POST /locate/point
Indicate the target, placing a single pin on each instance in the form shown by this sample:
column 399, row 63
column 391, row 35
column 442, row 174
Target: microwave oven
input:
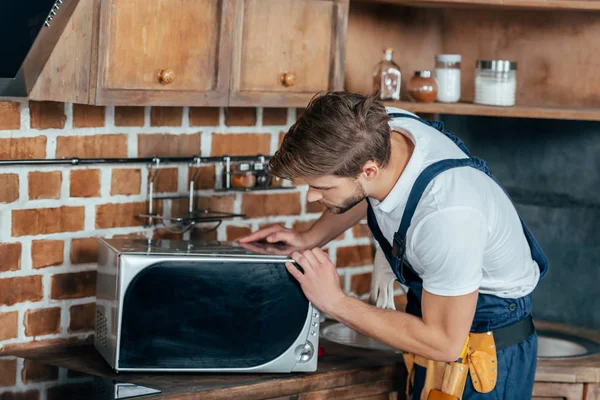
column 175, row 305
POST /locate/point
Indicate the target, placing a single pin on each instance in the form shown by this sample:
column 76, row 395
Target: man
column 447, row 228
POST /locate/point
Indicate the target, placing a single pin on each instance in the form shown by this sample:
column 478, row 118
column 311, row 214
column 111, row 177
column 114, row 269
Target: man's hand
column 278, row 234
column 320, row 281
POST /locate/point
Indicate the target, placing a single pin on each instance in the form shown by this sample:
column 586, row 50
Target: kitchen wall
column 52, row 216
column 552, row 171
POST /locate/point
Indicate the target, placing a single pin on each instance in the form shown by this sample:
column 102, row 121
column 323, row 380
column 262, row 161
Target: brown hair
column 336, row 135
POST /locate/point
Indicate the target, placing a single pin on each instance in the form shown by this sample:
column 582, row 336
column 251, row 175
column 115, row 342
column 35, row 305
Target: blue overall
column 517, row 363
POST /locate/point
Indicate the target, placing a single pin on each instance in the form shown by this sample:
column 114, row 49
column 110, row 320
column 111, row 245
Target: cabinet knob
column 166, row 76
column 288, row 79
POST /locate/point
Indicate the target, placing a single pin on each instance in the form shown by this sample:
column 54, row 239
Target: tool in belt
column 446, row 381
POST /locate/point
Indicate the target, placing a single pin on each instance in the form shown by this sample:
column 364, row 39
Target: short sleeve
column 449, row 245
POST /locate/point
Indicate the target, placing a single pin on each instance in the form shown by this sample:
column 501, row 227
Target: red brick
column 166, row 116
column 9, row 325
column 32, row 394
column 43, row 321
column 10, row 115
column 84, row 251
column 162, row 233
column 281, row 136
column 73, row 285
column 274, row 116
column 85, row 183
column 205, row 178
column 361, row 230
column 162, row 145
column 44, row 185
column 355, row 256
column 314, row 207
column 86, row 116
column 34, row 371
column 263, row 205
column 19, row 289
column 204, row 116
column 122, row 215
column 47, row 114
column 8, row 377
column 9, row 188
column 46, row 253
column 125, row 181
column 96, row 146
column 47, row 220
column 23, row 148
column 10, row 256
column 83, row 317
column 180, row 207
column 201, row 235
column 166, row 180
column 303, row 226
column 236, row 232
column 129, row 116
column 360, row 284
column 240, row 116
column 241, row 144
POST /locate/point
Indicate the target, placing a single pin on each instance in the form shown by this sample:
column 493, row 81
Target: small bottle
column 422, row 87
column 387, row 77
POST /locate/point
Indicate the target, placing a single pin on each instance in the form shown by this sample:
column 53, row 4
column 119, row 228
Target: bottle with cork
column 387, row 77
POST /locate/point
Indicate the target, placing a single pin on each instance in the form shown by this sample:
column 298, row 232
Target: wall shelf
column 589, row 5
column 543, row 112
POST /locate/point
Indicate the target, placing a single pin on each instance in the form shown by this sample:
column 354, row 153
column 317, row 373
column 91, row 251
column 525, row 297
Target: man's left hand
column 320, row 281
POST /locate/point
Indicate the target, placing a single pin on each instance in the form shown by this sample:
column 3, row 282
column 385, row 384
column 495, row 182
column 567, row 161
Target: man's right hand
column 294, row 241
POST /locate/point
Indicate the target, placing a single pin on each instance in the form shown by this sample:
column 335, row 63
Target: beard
column 358, row 196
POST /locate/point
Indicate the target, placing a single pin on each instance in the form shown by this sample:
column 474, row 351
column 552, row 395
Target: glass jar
column 242, row 176
column 447, row 76
column 422, row 87
column 262, row 177
column 495, row 82
column 387, row 77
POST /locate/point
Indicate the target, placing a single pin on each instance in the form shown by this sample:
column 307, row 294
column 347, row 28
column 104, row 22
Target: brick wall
column 51, row 216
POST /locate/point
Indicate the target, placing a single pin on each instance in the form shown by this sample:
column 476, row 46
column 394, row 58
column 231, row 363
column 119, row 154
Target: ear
column 370, row 170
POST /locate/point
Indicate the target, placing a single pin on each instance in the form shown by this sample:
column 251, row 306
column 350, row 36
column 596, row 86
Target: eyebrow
column 321, row 187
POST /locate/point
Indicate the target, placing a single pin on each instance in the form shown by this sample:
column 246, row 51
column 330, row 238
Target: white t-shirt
column 465, row 234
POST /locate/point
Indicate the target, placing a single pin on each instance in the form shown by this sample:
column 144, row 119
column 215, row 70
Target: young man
column 447, row 228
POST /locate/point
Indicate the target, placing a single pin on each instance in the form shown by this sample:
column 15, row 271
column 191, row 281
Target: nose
column 313, row 195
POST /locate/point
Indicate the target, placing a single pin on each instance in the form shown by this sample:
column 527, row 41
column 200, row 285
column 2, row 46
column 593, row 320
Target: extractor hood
column 30, row 29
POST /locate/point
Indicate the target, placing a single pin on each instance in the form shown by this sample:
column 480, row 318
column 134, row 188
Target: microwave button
column 314, row 324
column 316, row 315
column 312, row 333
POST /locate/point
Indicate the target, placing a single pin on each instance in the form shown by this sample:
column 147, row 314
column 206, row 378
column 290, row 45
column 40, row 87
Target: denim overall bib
column 516, row 363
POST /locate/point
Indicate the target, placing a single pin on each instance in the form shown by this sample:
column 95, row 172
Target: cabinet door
column 557, row 391
column 285, row 51
column 174, row 52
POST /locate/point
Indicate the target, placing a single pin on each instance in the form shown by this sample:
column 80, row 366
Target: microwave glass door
column 201, row 314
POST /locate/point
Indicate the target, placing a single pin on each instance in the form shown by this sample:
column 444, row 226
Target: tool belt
column 447, row 380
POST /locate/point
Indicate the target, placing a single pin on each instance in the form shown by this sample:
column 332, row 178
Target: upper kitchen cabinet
column 164, row 52
column 286, row 51
column 192, row 52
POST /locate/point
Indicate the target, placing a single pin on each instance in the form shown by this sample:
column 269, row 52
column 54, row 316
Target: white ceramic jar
column 447, row 76
column 495, row 82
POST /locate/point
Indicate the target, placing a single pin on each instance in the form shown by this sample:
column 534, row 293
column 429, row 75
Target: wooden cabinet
column 286, row 51
column 164, row 52
column 197, row 53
